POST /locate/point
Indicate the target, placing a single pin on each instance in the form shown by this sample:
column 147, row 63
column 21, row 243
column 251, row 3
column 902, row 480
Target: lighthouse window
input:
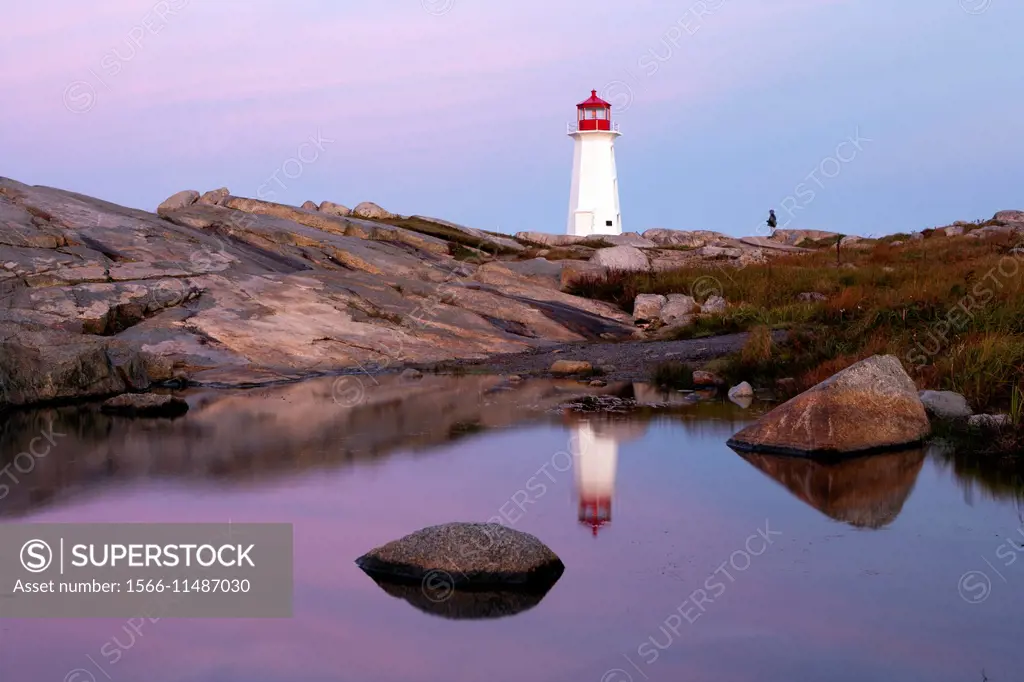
column 608, row 223
column 602, row 114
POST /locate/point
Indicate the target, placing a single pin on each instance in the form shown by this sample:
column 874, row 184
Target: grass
column 951, row 308
column 673, row 375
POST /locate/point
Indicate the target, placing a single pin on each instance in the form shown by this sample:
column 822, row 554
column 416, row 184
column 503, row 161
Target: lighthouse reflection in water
column 595, row 450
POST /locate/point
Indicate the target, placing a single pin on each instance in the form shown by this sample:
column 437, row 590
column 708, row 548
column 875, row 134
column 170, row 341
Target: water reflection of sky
column 826, row 600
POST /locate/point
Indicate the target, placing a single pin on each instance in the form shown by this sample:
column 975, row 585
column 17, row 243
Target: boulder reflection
column 865, row 492
column 465, row 604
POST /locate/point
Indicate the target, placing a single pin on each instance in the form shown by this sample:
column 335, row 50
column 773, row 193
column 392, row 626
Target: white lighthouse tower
column 594, row 197
column 595, row 458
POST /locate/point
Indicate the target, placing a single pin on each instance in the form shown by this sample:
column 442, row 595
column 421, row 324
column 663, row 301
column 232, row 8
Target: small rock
column 811, row 297
column 988, row 422
column 599, row 403
column 332, row 208
column 515, row 379
column 679, row 309
column 896, row 243
column 598, row 383
column 608, row 369
column 411, row 374
column 704, row 378
column 741, row 390
column 945, row 404
column 647, row 307
column 215, row 197
column 714, row 305
column 465, row 556
column 145, row 405
column 571, row 367
column 916, row 237
column 368, row 209
column 310, row 206
column 178, row 201
column 953, row 230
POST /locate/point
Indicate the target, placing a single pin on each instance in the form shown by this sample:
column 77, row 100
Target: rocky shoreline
column 98, row 300
column 219, row 291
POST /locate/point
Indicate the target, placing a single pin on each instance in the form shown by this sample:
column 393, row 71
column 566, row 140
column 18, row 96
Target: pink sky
column 462, row 113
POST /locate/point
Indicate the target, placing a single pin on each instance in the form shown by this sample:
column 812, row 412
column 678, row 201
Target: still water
column 684, row 560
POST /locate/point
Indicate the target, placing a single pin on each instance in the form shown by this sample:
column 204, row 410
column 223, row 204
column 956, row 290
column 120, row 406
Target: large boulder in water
column 871, row 405
column 465, row 556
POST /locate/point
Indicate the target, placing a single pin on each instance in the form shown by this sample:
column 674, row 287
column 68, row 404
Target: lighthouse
column 595, row 458
column 594, row 195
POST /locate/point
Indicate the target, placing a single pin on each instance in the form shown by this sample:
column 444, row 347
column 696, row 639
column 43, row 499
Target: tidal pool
column 684, row 559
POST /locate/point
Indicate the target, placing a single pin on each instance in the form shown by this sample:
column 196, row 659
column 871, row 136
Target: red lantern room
column 594, row 113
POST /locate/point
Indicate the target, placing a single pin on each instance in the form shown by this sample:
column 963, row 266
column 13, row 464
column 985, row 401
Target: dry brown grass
column 951, row 308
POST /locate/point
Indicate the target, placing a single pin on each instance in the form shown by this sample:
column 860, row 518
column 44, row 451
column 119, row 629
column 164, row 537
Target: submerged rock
column 145, row 405
column 465, row 556
column 600, row 403
column 871, row 405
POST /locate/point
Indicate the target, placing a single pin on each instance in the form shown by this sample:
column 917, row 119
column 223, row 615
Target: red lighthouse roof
column 593, row 101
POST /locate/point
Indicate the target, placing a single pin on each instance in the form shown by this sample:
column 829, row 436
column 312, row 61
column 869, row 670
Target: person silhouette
column 772, row 222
